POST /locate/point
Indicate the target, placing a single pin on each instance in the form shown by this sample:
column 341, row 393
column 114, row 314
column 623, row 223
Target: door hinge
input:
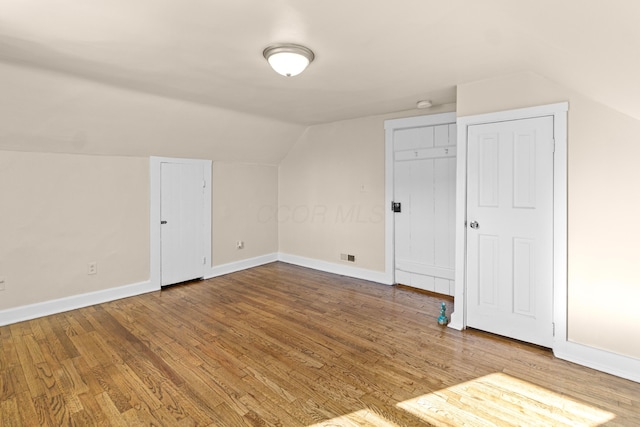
column 204, row 184
column 553, row 145
column 553, row 328
column 204, row 259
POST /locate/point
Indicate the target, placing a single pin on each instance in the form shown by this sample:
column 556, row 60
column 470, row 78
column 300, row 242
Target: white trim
column 232, row 267
column 559, row 113
column 154, row 213
column 389, row 233
column 517, row 114
column 330, row 267
column 46, row 308
column 390, row 126
column 560, row 229
column 459, row 314
column 420, row 121
column 601, row 360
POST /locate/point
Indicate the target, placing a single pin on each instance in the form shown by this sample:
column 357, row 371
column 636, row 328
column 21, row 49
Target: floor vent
column 347, row 257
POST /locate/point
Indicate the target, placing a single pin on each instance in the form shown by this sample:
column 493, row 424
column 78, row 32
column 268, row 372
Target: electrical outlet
column 92, row 268
column 1, row 283
column 240, row 244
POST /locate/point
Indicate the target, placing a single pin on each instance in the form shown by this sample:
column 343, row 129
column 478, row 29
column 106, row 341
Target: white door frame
column 154, row 213
column 390, row 126
column 559, row 114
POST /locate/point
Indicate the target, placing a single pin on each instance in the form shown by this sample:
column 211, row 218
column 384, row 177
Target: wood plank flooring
column 281, row 345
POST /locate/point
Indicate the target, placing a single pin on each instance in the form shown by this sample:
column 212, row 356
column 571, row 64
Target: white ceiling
column 372, row 56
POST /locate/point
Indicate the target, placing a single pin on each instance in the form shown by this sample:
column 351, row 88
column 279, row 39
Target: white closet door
column 182, row 228
column 424, row 184
column 510, row 229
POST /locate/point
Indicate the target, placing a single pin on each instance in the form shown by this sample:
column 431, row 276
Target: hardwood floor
column 287, row 346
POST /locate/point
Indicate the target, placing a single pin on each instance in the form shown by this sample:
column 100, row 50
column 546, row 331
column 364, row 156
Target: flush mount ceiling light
column 288, row 59
column 424, row 104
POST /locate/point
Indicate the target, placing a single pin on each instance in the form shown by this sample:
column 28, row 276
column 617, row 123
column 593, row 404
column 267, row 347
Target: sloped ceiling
column 372, row 57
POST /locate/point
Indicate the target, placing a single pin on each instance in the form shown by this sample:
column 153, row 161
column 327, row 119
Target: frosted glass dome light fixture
column 288, row 59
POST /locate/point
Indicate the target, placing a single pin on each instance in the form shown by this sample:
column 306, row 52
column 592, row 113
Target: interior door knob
column 474, row 224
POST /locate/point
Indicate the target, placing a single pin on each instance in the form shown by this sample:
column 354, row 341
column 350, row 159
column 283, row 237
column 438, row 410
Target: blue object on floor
column 443, row 319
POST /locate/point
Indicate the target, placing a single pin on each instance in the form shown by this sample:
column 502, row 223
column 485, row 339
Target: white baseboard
column 601, row 360
column 330, row 267
column 456, row 322
column 244, row 264
column 46, row 308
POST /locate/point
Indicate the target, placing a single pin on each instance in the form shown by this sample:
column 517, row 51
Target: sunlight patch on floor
column 499, row 399
column 493, row 400
column 360, row 418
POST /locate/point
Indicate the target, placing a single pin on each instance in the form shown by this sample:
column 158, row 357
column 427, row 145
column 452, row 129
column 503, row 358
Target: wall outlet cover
column 92, row 268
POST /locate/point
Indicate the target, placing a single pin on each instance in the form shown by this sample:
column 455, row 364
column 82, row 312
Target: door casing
column 559, row 113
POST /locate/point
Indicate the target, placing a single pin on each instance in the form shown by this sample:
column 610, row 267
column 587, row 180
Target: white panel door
column 424, row 184
column 510, row 229
column 182, row 227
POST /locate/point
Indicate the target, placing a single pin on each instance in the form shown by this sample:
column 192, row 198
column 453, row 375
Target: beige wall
column 67, row 210
column 603, row 150
column 332, row 192
column 88, row 203
column 60, row 212
column 244, row 199
column 47, row 112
